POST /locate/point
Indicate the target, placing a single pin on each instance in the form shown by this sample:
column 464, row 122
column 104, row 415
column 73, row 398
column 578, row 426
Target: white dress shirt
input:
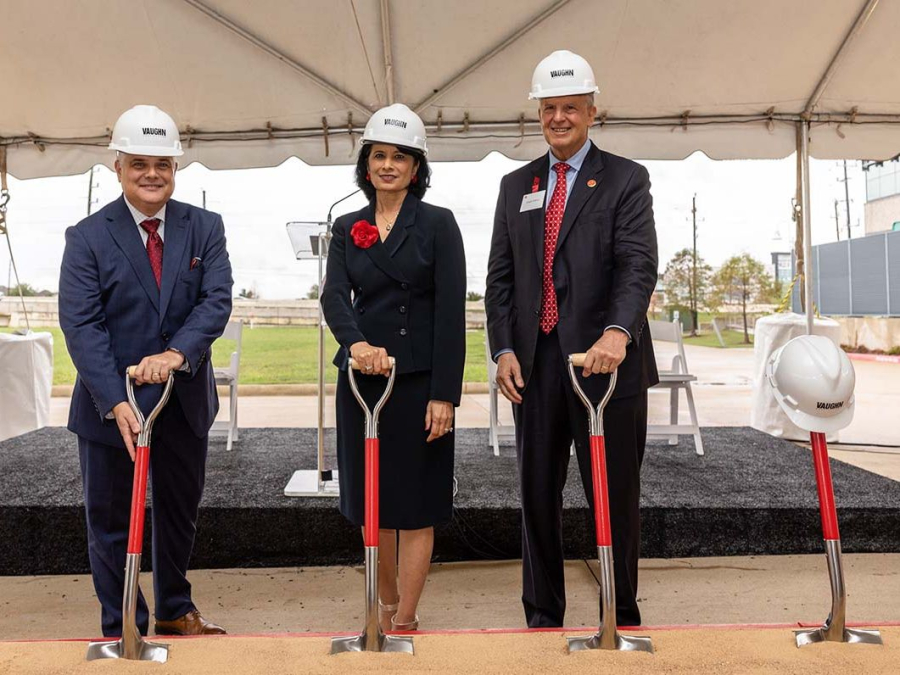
column 140, row 218
column 161, row 231
column 574, row 162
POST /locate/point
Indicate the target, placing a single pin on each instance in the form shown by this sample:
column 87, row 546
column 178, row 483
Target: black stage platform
column 750, row 494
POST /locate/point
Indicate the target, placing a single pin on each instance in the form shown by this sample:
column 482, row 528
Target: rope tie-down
column 4, row 229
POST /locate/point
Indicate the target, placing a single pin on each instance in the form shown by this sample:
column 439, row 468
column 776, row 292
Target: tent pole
column 388, row 50
column 281, row 56
column 475, row 65
column 803, row 162
column 855, row 30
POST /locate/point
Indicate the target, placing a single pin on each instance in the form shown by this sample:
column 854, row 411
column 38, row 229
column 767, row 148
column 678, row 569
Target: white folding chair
column 675, row 378
column 498, row 433
column 229, row 376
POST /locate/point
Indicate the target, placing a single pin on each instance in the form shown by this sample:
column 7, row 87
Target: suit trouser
column 548, row 419
column 177, row 473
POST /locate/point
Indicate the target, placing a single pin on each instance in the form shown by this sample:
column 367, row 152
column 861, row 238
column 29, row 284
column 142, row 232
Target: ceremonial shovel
column 372, row 638
column 131, row 645
column 834, row 629
column 606, row 637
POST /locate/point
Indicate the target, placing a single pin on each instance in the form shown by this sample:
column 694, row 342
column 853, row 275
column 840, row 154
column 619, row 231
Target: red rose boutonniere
column 364, row 233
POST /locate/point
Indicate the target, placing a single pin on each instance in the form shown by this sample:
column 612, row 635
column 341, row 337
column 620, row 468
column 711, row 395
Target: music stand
column 310, row 241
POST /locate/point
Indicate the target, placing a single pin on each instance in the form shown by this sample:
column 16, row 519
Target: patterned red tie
column 154, row 247
column 553, row 219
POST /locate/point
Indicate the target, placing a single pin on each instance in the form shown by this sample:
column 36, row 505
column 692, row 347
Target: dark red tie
column 552, row 221
column 154, row 247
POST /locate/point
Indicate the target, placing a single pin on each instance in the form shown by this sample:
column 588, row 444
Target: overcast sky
column 742, row 207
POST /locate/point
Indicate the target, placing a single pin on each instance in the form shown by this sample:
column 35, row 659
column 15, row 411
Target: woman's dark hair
column 422, row 177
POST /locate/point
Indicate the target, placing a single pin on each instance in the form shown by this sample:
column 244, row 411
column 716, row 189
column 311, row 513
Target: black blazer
column 604, row 269
column 406, row 294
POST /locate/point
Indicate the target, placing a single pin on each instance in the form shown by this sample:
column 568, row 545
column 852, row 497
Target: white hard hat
column 563, row 73
column 813, row 382
column 397, row 125
column 146, row 130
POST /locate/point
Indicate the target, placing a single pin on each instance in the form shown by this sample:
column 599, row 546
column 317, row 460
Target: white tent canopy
column 251, row 84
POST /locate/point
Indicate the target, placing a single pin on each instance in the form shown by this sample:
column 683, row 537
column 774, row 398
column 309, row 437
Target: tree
column 248, row 293
column 680, row 287
column 313, row 292
column 473, row 296
column 25, row 290
column 743, row 279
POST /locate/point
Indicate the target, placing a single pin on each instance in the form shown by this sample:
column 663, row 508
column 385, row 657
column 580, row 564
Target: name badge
column 533, row 201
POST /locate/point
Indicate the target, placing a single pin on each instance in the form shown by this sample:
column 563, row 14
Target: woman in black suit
column 396, row 287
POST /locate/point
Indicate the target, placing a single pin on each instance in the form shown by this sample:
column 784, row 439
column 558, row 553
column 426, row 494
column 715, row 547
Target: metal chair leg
column 673, row 413
column 698, row 442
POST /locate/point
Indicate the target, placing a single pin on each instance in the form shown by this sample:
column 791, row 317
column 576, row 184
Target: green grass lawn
column 288, row 354
column 733, row 338
column 275, row 355
column 279, row 355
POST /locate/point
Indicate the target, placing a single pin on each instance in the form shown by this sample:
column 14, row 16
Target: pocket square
column 195, row 262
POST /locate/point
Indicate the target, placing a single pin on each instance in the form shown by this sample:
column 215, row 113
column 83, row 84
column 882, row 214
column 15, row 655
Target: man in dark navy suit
column 146, row 280
column 572, row 266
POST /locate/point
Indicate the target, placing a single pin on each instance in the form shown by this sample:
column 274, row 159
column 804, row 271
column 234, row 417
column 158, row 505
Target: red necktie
column 154, row 247
column 552, row 221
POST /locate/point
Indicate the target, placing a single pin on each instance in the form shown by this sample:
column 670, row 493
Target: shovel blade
column 114, row 649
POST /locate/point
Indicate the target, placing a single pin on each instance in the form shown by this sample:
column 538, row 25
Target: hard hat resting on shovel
column 813, row 381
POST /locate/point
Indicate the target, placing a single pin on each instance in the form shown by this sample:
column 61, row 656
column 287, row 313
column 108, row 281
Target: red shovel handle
column 601, row 494
column 138, row 500
column 824, row 486
column 371, row 517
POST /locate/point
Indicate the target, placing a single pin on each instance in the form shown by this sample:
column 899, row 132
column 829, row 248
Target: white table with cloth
column 26, row 379
column 772, row 332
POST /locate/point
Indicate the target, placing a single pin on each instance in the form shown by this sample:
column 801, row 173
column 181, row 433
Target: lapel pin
column 592, row 183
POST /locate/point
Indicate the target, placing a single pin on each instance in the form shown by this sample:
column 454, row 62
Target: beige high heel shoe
column 387, row 611
column 402, row 627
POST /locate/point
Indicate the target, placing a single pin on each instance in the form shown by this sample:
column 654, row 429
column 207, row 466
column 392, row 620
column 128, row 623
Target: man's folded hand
column 155, row 369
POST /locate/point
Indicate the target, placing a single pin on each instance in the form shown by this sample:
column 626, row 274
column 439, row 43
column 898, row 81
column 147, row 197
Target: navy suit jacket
column 406, row 294
column 113, row 314
column 604, row 267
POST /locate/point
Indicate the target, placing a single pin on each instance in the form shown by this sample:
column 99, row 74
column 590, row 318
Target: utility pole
column 204, row 199
column 837, row 227
column 90, row 189
column 694, row 316
column 847, row 197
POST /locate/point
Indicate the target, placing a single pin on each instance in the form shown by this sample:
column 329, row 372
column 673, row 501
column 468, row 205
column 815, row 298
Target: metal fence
column 859, row 277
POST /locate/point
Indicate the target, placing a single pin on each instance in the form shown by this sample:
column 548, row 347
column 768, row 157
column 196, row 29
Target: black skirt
column 415, row 478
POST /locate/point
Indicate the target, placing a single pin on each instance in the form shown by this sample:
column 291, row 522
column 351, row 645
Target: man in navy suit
column 572, row 266
column 146, row 280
